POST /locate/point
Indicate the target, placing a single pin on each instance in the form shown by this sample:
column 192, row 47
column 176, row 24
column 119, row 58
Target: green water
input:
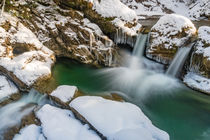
column 180, row 111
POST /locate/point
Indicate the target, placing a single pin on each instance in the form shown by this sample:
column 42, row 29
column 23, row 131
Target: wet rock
column 167, row 35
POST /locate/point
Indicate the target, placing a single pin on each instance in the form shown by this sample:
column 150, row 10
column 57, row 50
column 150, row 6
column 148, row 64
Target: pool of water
column 171, row 106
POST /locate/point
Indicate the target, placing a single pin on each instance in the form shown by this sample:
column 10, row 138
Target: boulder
column 64, row 94
column 167, row 35
column 198, row 76
column 116, row 120
column 23, row 58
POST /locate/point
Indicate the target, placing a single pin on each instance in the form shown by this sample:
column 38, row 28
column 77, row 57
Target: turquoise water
column 176, row 109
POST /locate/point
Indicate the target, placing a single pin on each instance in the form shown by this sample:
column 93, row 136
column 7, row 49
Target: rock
column 200, row 60
column 199, row 69
column 167, row 35
column 109, row 15
column 68, row 32
column 116, row 120
column 61, row 124
column 23, row 58
column 64, row 94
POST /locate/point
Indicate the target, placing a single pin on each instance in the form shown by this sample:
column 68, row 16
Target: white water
column 178, row 61
column 139, row 80
column 139, row 46
column 11, row 114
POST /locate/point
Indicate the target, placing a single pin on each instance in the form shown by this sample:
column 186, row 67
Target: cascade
column 179, row 60
column 11, row 114
column 139, row 46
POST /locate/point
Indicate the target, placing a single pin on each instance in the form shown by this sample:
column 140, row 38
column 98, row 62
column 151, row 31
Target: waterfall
column 11, row 114
column 2, row 10
column 179, row 60
column 139, row 46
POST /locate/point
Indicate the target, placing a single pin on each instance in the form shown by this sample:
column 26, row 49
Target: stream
column 169, row 104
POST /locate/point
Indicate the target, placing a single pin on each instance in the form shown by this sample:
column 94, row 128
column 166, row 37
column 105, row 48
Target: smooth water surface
column 178, row 110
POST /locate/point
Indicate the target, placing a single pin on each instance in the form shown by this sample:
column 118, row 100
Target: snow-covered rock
column 60, row 124
column 200, row 62
column 64, row 93
column 68, row 32
column 116, row 120
column 22, row 53
column 31, row 132
column 7, row 88
column 195, row 10
column 197, row 82
column 167, row 35
column 114, row 8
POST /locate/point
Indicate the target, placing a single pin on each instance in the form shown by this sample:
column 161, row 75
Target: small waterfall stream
column 179, row 60
column 139, row 46
column 11, row 114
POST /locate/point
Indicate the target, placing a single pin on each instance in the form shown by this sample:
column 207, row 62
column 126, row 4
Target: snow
column 195, row 10
column 31, row 132
column 117, row 120
column 7, row 88
column 169, row 26
column 28, row 66
column 197, row 81
column 61, row 124
column 65, row 93
column 114, row 8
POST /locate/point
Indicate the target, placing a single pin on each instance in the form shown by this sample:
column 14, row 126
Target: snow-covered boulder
column 7, row 88
column 116, row 120
column 64, row 94
column 167, row 35
column 31, row 132
column 22, row 54
column 200, row 62
column 60, row 124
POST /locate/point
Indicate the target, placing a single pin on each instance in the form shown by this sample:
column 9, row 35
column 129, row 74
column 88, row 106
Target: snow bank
column 7, row 88
column 60, row 124
column 197, row 81
column 117, row 120
column 31, row 132
column 64, row 93
column 167, row 31
column 36, row 60
column 114, row 8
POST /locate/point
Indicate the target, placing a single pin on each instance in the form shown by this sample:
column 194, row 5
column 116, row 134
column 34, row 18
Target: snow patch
column 64, row 93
